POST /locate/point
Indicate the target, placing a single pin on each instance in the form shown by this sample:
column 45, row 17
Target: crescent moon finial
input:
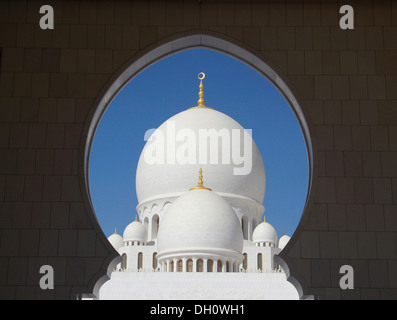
column 200, row 101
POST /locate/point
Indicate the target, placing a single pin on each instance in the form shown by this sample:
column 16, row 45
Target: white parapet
column 197, row 286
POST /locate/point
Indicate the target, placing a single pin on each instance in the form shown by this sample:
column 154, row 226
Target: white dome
column 282, row 242
column 200, row 221
column 264, row 232
column 116, row 241
column 135, row 231
column 156, row 180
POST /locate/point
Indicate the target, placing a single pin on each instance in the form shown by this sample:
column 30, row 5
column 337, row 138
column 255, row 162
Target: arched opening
column 180, row 265
column 179, row 45
column 146, row 225
column 219, row 266
column 189, row 265
column 140, row 260
column 155, row 226
column 154, row 260
column 200, row 265
column 123, row 261
column 244, row 227
column 210, row 265
column 260, row 261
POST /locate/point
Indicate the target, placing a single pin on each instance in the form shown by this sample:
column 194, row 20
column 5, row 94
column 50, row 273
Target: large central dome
column 156, row 180
column 200, row 136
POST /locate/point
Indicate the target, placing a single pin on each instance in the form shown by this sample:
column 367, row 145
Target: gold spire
column 135, row 218
column 264, row 218
column 200, row 182
column 115, row 230
column 200, row 102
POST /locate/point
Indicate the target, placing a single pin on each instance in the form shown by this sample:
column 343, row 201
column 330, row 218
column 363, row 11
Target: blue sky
column 171, row 86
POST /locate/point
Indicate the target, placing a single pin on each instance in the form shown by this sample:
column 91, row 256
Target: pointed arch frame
column 217, row 42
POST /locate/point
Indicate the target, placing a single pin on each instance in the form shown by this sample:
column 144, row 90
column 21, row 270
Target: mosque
column 204, row 240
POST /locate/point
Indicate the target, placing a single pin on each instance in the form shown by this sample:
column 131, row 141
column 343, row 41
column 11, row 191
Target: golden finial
column 200, row 102
column 135, row 218
column 264, row 218
column 115, row 230
column 285, row 232
column 200, row 182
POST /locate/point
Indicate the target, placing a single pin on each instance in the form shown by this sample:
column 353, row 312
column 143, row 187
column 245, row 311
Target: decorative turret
column 265, row 234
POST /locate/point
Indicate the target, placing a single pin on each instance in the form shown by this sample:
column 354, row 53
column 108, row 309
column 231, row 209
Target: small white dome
column 116, row 241
column 200, row 221
column 265, row 232
column 135, row 231
column 282, row 242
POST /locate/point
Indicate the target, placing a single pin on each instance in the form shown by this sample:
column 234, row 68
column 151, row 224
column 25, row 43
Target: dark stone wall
column 51, row 81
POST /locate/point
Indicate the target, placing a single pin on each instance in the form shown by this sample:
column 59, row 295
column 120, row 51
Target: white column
column 184, row 265
column 250, row 229
column 149, row 230
column 194, row 264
